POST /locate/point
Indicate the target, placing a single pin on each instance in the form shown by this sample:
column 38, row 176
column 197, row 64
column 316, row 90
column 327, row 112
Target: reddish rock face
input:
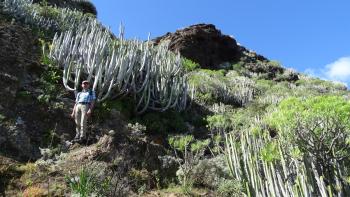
column 204, row 44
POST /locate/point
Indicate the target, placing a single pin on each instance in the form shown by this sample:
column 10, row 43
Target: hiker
column 84, row 104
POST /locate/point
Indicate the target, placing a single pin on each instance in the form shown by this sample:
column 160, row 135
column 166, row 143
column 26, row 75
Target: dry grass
column 34, row 191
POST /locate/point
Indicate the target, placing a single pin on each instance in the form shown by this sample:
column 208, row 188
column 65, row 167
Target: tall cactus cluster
column 153, row 75
column 266, row 169
column 37, row 16
column 85, row 48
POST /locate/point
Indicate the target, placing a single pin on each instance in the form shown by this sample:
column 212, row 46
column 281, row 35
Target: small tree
column 190, row 153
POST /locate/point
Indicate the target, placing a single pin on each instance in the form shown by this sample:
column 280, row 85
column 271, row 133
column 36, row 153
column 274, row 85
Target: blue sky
column 307, row 35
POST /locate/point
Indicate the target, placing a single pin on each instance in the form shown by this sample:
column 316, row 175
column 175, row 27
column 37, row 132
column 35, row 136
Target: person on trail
column 84, row 104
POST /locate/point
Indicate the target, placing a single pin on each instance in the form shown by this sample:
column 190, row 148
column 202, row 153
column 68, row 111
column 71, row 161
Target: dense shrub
column 219, row 86
column 209, row 173
column 189, row 65
column 287, row 75
column 319, row 125
column 319, row 128
column 230, row 188
column 319, row 86
column 163, row 122
column 266, row 70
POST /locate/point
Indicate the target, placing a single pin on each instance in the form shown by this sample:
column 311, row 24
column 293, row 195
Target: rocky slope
column 26, row 122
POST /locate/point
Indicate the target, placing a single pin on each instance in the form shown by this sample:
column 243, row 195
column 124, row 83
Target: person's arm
column 75, row 105
column 92, row 103
column 91, row 107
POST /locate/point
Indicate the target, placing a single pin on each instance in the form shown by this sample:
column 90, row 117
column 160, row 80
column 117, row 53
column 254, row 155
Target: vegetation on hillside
column 252, row 129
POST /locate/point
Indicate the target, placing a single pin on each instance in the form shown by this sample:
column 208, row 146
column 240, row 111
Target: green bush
column 209, row 173
column 321, row 86
column 238, row 67
column 50, row 139
column 87, row 183
column 169, row 121
column 51, row 77
column 124, row 105
column 275, row 63
column 190, row 151
column 230, row 188
column 141, row 179
column 215, row 86
column 318, row 127
column 189, row 65
column 220, row 122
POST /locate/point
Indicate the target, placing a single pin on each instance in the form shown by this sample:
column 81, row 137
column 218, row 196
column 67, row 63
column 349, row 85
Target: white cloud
column 337, row 71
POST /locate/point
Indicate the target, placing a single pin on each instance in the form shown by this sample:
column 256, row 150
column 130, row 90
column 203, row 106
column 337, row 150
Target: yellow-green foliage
column 275, row 63
column 238, row 66
column 180, row 142
column 220, row 122
column 271, row 92
column 270, row 152
column 199, row 145
column 29, row 171
column 318, row 128
column 323, row 120
column 311, row 84
column 189, row 65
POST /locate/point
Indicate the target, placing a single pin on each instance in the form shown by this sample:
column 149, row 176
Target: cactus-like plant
column 37, row 16
column 268, row 168
column 153, row 75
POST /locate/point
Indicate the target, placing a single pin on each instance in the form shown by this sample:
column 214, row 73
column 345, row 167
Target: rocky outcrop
column 204, row 44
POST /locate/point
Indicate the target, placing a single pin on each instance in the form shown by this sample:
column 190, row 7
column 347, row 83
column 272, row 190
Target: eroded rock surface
column 204, row 44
